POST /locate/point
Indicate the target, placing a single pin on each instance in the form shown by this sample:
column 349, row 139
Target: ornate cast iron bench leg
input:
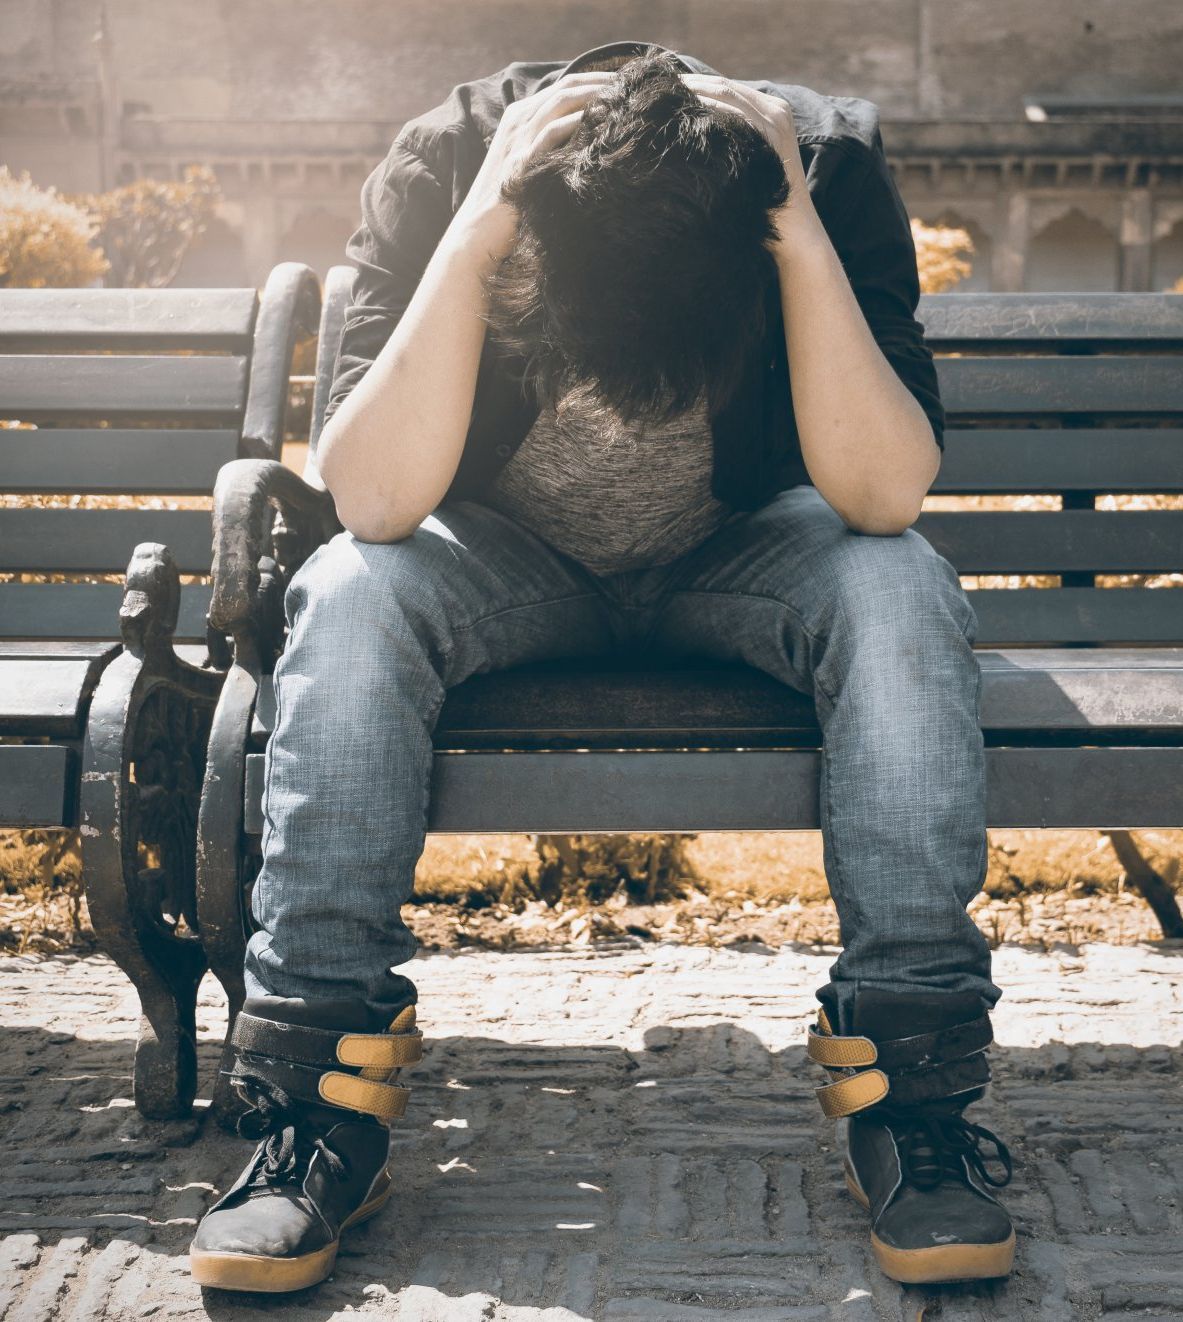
column 143, row 761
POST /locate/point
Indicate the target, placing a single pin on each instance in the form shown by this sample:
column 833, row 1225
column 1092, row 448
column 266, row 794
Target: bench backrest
column 130, row 393
column 1076, row 399
column 1073, row 399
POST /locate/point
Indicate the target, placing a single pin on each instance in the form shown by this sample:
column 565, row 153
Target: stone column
column 1137, row 237
column 1009, row 268
column 260, row 234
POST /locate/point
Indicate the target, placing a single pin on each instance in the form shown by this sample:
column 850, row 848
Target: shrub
column 940, row 256
column 45, row 240
column 146, row 228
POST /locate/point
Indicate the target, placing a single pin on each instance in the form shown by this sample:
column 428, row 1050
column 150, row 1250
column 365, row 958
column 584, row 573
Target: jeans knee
column 899, row 588
column 365, row 588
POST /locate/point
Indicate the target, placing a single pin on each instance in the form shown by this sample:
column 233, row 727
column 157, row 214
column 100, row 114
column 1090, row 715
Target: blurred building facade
column 1052, row 132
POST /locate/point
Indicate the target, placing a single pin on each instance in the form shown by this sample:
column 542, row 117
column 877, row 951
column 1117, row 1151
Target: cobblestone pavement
column 624, row 1135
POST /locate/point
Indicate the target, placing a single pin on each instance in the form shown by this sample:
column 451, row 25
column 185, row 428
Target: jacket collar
column 631, row 48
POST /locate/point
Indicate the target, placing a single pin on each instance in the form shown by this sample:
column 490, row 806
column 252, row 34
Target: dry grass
column 1044, row 887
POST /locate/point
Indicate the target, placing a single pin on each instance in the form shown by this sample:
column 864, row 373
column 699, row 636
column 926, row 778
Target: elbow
column 884, row 521
column 371, row 522
column 881, row 514
column 367, row 514
column 889, row 511
column 364, row 509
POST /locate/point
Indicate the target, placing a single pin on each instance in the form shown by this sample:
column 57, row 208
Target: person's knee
column 899, row 587
column 367, row 587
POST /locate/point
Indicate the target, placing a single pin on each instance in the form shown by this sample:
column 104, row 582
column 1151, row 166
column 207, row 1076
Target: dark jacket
column 409, row 200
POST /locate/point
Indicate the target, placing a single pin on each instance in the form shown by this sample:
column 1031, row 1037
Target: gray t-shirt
column 613, row 497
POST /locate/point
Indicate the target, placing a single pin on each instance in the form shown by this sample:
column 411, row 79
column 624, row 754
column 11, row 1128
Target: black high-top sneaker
column 901, row 1083
column 319, row 1081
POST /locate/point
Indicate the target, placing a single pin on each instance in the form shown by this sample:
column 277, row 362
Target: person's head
column 640, row 267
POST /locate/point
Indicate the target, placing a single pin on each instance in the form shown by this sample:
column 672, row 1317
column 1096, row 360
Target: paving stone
column 623, row 1134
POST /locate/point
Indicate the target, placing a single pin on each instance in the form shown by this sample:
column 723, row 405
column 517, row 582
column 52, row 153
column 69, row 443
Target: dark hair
column 640, row 263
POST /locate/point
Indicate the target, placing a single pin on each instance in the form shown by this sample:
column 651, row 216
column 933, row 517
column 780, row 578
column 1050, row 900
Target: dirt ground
column 611, row 1132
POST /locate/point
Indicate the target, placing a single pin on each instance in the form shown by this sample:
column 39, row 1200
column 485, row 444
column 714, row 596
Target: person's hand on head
column 773, row 118
column 528, row 128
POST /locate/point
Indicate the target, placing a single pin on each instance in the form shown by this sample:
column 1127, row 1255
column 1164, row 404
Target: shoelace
column 933, row 1141
column 289, row 1147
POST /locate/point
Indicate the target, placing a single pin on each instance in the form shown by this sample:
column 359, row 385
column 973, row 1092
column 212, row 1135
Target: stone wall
column 293, row 102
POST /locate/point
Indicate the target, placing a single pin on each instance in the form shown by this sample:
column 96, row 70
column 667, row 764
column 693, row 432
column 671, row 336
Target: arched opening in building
column 1073, row 252
column 1167, row 261
column 215, row 259
column 316, row 237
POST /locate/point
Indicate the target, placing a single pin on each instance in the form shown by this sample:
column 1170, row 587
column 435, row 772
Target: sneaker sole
column 943, row 1262
column 262, row 1275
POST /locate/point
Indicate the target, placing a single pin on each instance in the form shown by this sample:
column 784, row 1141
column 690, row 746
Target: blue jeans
column 877, row 629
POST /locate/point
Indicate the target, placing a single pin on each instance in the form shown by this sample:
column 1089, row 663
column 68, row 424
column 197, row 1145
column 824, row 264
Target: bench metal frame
column 105, row 722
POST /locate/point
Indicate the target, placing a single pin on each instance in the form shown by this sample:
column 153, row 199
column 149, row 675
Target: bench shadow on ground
column 690, row 1178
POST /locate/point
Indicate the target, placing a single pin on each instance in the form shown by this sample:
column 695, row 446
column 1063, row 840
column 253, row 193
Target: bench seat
column 1074, row 736
column 45, row 693
column 45, row 690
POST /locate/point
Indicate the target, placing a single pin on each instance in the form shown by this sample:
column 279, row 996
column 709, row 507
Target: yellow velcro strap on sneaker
column 383, row 1100
column 840, row 1053
column 853, row 1094
column 404, row 1021
column 382, row 1050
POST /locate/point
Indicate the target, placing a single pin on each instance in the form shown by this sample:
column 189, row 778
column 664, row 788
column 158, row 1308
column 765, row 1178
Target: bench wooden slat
column 1052, row 542
column 85, row 610
column 767, row 790
column 593, row 705
column 98, row 460
column 47, row 695
column 1109, row 459
column 1063, row 320
column 39, row 387
column 1092, row 384
column 101, row 541
column 29, row 649
column 1103, row 616
column 154, row 318
column 1091, row 690
column 36, row 785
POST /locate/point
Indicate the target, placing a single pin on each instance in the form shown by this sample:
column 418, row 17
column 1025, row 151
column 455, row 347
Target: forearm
column 390, row 451
column 865, row 439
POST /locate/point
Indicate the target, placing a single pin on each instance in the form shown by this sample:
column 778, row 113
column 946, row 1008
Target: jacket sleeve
column 404, row 213
column 874, row 241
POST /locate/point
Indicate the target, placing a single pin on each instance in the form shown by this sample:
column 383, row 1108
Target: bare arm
column 867, row 442
column 390, row 451
column 868, row 447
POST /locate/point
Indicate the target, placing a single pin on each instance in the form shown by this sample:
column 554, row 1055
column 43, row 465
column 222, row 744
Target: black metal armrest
column 246, row 495
column 288, row 311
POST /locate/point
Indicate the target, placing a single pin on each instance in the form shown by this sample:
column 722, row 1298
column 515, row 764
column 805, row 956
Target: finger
column 724, row 89
column 558, row 101
column 732, row 95
column 569, row 88
column 723, row 105
column 556, row 132
column 594, row 79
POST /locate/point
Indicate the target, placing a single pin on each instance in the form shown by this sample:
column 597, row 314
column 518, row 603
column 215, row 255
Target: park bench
column 107, row 688
column 1071, row 396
